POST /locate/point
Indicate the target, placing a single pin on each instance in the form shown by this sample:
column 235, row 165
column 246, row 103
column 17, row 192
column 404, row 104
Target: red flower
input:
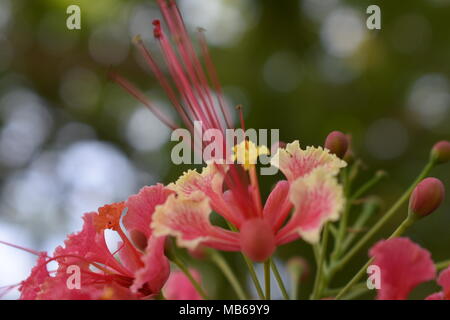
column 311, row 191
column 131, row 272
column 403, row 265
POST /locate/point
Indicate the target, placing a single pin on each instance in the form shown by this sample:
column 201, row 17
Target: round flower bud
column 337, row 142
column 426, row 197
column 257, row 239
column 440, row 153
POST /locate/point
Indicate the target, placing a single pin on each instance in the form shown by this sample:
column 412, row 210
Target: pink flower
column 131, row 272
column 440, row 152
column 403, row 265
column 179, row 287
column 444, row 282
column 311, row 191
column 232, row 191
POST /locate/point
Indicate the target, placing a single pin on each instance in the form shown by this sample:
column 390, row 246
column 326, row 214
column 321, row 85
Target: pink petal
column 444, row 282
column 156, row 267
column 435, row 296
column 403, row 265
column 179, row 287
column 142, row 206
column 188, row 221
column 55, row 288
column 232, row 205
column 30, row 287
column 209, row 183
column 127, row 256
column 317, row 198
column 295, row 162
column 278, row 205
column 88, row 245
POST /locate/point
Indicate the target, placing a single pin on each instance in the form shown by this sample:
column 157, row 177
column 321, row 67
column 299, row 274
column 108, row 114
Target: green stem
column 368, row 210
column 222, row 264
column 400, row 230
column 442, row 265
column 254, row 277
column 251, row 268
column 279, row 280
column 320, row 266
column 379, row 175
column 267, row 278
column 356, row 293
column 363, row 241
column 335, row 291
column 344, row 217
column 188, row 274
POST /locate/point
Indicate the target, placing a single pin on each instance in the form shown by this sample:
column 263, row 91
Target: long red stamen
column 36, row 253
column 141, row 98
column 4, row 290
column 136, row 253
column 195, row 100
column 241, row 116
column 163, row 80
column 190, row 60
column 215, row 79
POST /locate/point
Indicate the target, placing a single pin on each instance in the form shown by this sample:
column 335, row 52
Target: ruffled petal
column 192, row 184
column 317, row 198
column 179, row 287
column 188, row 221
column 195, row 186
column 156, row 267
column 295, row 162
column 87, row 245
column 403, row 265
column 55, row 288
column 30, row 287
column 142, row 206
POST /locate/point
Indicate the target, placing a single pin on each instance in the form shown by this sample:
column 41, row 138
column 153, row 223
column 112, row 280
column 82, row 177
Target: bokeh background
column 71, row 141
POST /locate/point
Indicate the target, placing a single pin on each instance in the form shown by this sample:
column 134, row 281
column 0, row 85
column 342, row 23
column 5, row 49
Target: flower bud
column 440, row 153
column 426, row 197
column 337, row 142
